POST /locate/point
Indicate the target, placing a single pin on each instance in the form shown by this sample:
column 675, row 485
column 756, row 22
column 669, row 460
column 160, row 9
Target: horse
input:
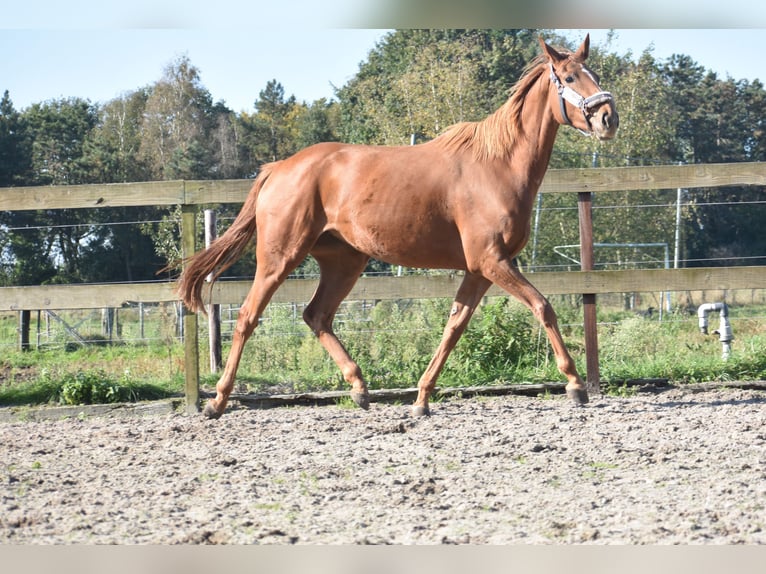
column 461, row 201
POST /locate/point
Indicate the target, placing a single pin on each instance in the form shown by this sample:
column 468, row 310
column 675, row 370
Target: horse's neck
column 536, row 136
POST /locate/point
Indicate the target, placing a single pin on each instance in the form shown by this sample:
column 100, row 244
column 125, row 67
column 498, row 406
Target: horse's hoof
column 578, row 396
column 209, row 412
column 420, row 411
column 362, row 400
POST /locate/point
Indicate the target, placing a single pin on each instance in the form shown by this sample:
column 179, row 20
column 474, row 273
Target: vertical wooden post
column 191, row 345
column 593, row 376
column 25, row 318
column 214, row 312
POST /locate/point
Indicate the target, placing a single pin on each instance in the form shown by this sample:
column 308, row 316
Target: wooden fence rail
column 117, row 295
column 198, row 192
column 190, row 194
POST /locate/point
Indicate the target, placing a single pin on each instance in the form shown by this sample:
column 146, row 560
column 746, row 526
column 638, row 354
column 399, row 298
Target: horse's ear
column 582, row 52
column 553, row 55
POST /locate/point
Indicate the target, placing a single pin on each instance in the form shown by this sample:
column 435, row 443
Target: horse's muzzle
column 605, row 121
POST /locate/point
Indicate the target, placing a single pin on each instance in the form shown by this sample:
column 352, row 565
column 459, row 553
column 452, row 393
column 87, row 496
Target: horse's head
column 575, row 96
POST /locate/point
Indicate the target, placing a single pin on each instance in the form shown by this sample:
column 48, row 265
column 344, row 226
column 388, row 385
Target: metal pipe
column 724, row 332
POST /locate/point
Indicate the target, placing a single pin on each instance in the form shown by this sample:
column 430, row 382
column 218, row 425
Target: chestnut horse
column 461, row 201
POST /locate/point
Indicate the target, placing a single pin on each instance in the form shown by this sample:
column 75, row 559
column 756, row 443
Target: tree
column 48, row 245
column 422, row 81
column 113, row 148
column 267, row 132
column 316, row 123
column 719, row 121
column 14, row 153
column 683, row 77
column 58, row 130
column 225, row 138
column 185, row 136
column 14, row 164
column 71, row 141
column 175, row 126
column 755, row 142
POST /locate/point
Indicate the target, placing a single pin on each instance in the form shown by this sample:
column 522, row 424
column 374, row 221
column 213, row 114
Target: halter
column 585, row 105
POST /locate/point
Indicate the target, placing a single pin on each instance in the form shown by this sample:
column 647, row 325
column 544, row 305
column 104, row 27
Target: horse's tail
column 223, row 252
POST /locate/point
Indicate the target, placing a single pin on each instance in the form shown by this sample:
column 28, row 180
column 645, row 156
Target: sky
column 98, row 50
column 99, row 65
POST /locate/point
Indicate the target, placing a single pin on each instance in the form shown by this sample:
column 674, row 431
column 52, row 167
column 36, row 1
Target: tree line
column 413, row 84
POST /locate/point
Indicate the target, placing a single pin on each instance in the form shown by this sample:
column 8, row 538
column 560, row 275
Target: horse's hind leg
column 471, row 290
column 340, row 266
column 247, row 320
column 270, row 273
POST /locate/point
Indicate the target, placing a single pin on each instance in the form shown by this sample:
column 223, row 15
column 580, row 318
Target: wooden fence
column 192, row 194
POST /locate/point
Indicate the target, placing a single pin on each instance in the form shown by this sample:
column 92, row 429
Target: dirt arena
column 675, row 466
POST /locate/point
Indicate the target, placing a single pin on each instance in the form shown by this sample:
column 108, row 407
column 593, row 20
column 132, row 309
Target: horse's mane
column 493, row 137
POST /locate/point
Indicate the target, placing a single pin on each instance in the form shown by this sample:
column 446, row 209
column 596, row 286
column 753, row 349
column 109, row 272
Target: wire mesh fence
column 160, row 323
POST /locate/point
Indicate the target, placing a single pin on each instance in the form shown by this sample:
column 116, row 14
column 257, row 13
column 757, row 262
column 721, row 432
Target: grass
column 635, row 348
column 393, row 342
column 106, row 374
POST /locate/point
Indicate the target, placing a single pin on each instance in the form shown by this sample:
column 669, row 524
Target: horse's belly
column 407, row 245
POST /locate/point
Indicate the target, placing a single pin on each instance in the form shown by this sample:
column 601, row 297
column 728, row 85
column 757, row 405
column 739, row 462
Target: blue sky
column 734, row 52
column 101, row 64
column 101, row 59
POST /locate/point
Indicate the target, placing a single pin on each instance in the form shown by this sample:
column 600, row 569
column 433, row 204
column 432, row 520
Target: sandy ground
column 670, row 467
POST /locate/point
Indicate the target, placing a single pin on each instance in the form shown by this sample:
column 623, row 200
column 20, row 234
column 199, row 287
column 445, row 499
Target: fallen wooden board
column 47, row 413
column 265, row 401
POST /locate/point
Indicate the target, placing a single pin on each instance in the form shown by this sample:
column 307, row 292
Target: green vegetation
column 393, row 342
column 636, row 348
column 98, row 374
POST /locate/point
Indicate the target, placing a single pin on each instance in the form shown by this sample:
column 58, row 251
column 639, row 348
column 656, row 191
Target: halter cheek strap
column 583, row 104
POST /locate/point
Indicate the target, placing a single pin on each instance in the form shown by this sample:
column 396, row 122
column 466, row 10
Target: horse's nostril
column 609, row 120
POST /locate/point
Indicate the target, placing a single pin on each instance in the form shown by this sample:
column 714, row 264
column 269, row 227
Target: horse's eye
column 569, row 79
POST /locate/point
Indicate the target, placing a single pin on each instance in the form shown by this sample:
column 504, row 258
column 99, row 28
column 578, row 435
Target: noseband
column 585, row 105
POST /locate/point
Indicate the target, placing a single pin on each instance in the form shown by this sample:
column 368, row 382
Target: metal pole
column 677, row 253
column 141, row 320
column 537, row 227
column 214, row 312
column 665, row 295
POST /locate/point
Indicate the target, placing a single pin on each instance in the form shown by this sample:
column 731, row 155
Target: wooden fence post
column 191, row 345
column 24, row 322
column 593, row 376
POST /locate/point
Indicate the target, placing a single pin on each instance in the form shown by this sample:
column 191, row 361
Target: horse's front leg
column 471, row 290
column 506, row 275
